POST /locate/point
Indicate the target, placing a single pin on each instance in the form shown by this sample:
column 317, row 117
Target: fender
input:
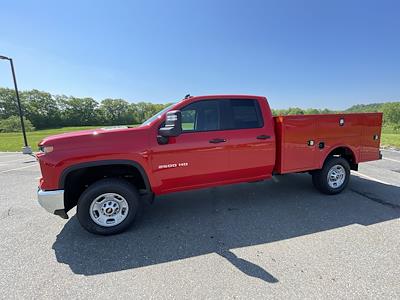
column 335, row 147
column 96, row 163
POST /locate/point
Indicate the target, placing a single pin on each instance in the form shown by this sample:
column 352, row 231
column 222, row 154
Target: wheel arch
column 70, row 179
column 99, row 163
column 346, row 152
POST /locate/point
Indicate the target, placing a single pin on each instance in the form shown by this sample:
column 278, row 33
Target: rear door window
column 245, row 114
column 223, row 114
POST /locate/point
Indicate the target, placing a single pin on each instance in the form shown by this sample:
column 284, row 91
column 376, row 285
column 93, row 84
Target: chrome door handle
column 263, row 137
column 216, row 141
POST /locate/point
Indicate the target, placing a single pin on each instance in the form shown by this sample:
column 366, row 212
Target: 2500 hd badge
column 176, row 165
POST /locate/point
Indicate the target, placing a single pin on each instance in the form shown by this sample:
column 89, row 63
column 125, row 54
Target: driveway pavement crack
column 377, row 200
column 6, row 215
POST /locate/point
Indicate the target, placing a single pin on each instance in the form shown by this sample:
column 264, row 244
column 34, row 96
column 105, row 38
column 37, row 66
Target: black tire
column 104, row 186
column 320, row 177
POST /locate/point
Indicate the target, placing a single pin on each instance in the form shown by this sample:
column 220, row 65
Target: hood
column 83, row 137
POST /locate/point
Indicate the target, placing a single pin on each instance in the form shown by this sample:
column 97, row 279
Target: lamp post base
column 26, row 150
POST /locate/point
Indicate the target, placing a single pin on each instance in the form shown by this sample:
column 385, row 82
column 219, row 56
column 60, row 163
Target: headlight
column 46, row 149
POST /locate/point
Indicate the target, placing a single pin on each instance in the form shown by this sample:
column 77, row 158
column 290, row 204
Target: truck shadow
column 217, row 220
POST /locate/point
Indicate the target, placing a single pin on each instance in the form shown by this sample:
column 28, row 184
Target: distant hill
column 373, row 107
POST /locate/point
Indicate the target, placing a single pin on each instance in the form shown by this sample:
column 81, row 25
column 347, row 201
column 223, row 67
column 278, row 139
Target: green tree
column 13, row 124
column 391, row 112
column 115, row 112
column 295, row 111
column 373, row 107
column 312, row 111
column 8, row 103
column 42, row 109
column 79, row 111
column 144, row 110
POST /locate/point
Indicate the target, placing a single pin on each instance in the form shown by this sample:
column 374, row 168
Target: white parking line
column 390, row 150
column 391, row 159
column 6, row 171
column 5, row 156
column 14, row 160
column 369, row 177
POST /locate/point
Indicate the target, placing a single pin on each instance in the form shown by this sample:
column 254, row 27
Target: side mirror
column 173, row 124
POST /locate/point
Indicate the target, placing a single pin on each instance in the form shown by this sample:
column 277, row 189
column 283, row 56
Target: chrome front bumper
column 53, row 202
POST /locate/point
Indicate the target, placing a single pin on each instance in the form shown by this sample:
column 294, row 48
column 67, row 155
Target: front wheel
column 333, row 177
column 108, row 206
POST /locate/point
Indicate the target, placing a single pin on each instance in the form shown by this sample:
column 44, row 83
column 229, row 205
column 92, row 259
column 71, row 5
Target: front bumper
column 53, row 202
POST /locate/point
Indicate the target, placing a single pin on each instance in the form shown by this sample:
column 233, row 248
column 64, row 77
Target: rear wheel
column 333, row 177
column 109, row 206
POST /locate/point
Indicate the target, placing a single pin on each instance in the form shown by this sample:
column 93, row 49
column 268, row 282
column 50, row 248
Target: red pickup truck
column 196, row 143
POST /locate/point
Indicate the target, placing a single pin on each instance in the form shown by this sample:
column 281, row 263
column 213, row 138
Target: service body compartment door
column 371, row 136
column 297, row 144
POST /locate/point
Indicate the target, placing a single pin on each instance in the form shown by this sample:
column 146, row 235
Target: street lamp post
column 26, row 149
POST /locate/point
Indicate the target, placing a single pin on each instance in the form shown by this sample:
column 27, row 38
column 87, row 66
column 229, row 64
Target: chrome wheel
column 109, row 209
column 336, row 176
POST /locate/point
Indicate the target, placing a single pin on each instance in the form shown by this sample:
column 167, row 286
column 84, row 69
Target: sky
column 296, row 53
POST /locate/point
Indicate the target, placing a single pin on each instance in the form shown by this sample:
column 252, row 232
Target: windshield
column 157, row 115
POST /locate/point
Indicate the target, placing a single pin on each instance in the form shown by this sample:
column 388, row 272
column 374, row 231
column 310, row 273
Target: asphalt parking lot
column 272, row 239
